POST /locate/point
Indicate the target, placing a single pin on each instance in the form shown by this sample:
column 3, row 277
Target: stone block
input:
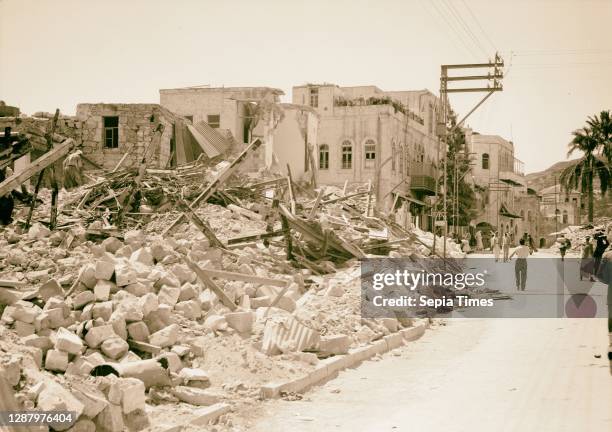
column 102, row 290
column 112, row 244
column 96, row 335
column 50, row 289
column 188, row 292
column 110, row 419
column 93, row 400
column 130, row 392
column 190, row 309
column 149, row 303
column 242, row 322
column 24, row 329
column 102, row 310
column 334, row 344
column 195, row 396
column 88, row 276
column 143, row 256
column 56, row 360
column 169, row 295
column 104, row 269
column 68, row 342
column 138, row 331
column 83, row 298
column 25, row 314
column 114, row 347
column 55, row 397
column 165, row 337
column 42, row 342
column 55, row 317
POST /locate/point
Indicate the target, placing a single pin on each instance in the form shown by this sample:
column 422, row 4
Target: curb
column 203, row 416
column 329, row 367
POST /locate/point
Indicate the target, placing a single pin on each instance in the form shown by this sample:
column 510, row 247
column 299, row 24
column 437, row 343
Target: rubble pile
column 577, row 234
column 189, row 286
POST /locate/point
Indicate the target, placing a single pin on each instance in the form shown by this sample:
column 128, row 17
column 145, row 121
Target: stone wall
column 137, row 126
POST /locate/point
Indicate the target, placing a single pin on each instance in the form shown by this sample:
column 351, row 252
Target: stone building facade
column 388, row 138
column 506, row 204
column 108, row 131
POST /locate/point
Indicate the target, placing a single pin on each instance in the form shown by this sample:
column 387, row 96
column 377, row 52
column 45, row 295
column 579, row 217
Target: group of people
column 500, row 245
column 592, row 253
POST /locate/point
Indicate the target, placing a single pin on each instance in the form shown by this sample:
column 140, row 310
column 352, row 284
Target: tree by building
column 592, row 140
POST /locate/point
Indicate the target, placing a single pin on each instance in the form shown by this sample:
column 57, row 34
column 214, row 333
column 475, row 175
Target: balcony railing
column 423, row 178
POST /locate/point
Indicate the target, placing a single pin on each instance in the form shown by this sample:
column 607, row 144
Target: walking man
column 495, row 246
column 520, row 267
column 601, row 244
column 564, row 246
column 586, row 263
column 506, row 246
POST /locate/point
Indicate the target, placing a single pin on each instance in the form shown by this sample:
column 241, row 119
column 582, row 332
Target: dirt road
column 469, row 375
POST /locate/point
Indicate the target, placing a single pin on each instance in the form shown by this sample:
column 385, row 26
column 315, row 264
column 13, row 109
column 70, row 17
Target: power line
column 455, row 13
column 454, row 30
column 437, row 22
column 482, row 30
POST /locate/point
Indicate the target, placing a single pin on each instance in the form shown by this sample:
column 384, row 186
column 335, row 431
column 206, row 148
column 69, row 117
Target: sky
column 558, row 54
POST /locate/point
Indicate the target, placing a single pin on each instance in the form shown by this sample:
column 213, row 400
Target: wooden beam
column 217, row 182
column 244, row 277
column 208, row 282
column 38, row 165
column 313, row 210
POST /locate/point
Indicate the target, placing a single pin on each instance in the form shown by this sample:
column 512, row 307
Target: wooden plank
column 200, row 224
column 313, row 210
column 208, row 282
column 144, row 347
column 179, row 142
column 244, row 277
column 125, row 155
column 255, row 237
column 291, row 191
column 217, row 182
column 342, row 198
column 38, row 165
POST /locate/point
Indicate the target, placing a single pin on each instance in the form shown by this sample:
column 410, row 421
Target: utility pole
column 493, row 78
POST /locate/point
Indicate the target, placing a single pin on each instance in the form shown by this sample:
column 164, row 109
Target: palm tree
column 602, row 129
column 581, row 174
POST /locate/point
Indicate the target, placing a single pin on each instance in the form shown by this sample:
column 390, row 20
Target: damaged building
column 388, row 138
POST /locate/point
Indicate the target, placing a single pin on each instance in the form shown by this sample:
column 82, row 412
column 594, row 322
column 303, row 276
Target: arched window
column 324, row 157
column 347, row 155
column 485, row 161
column 393, row 156
column 565, row 216
column 529, row 215
column 369, row 151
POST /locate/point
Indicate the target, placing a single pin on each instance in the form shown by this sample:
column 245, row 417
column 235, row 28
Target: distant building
column 388, row 138
column 506, row 205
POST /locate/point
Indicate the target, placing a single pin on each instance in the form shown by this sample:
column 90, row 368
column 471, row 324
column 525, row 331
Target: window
column 401, row 160
column 314, row 97
column 324, row 156
column 370, row 153
column 485, row 161
column 111, row 132
column 393, row 156
column 189, row 117
column 214, row 120
column 564, row 216
column 347, row 155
